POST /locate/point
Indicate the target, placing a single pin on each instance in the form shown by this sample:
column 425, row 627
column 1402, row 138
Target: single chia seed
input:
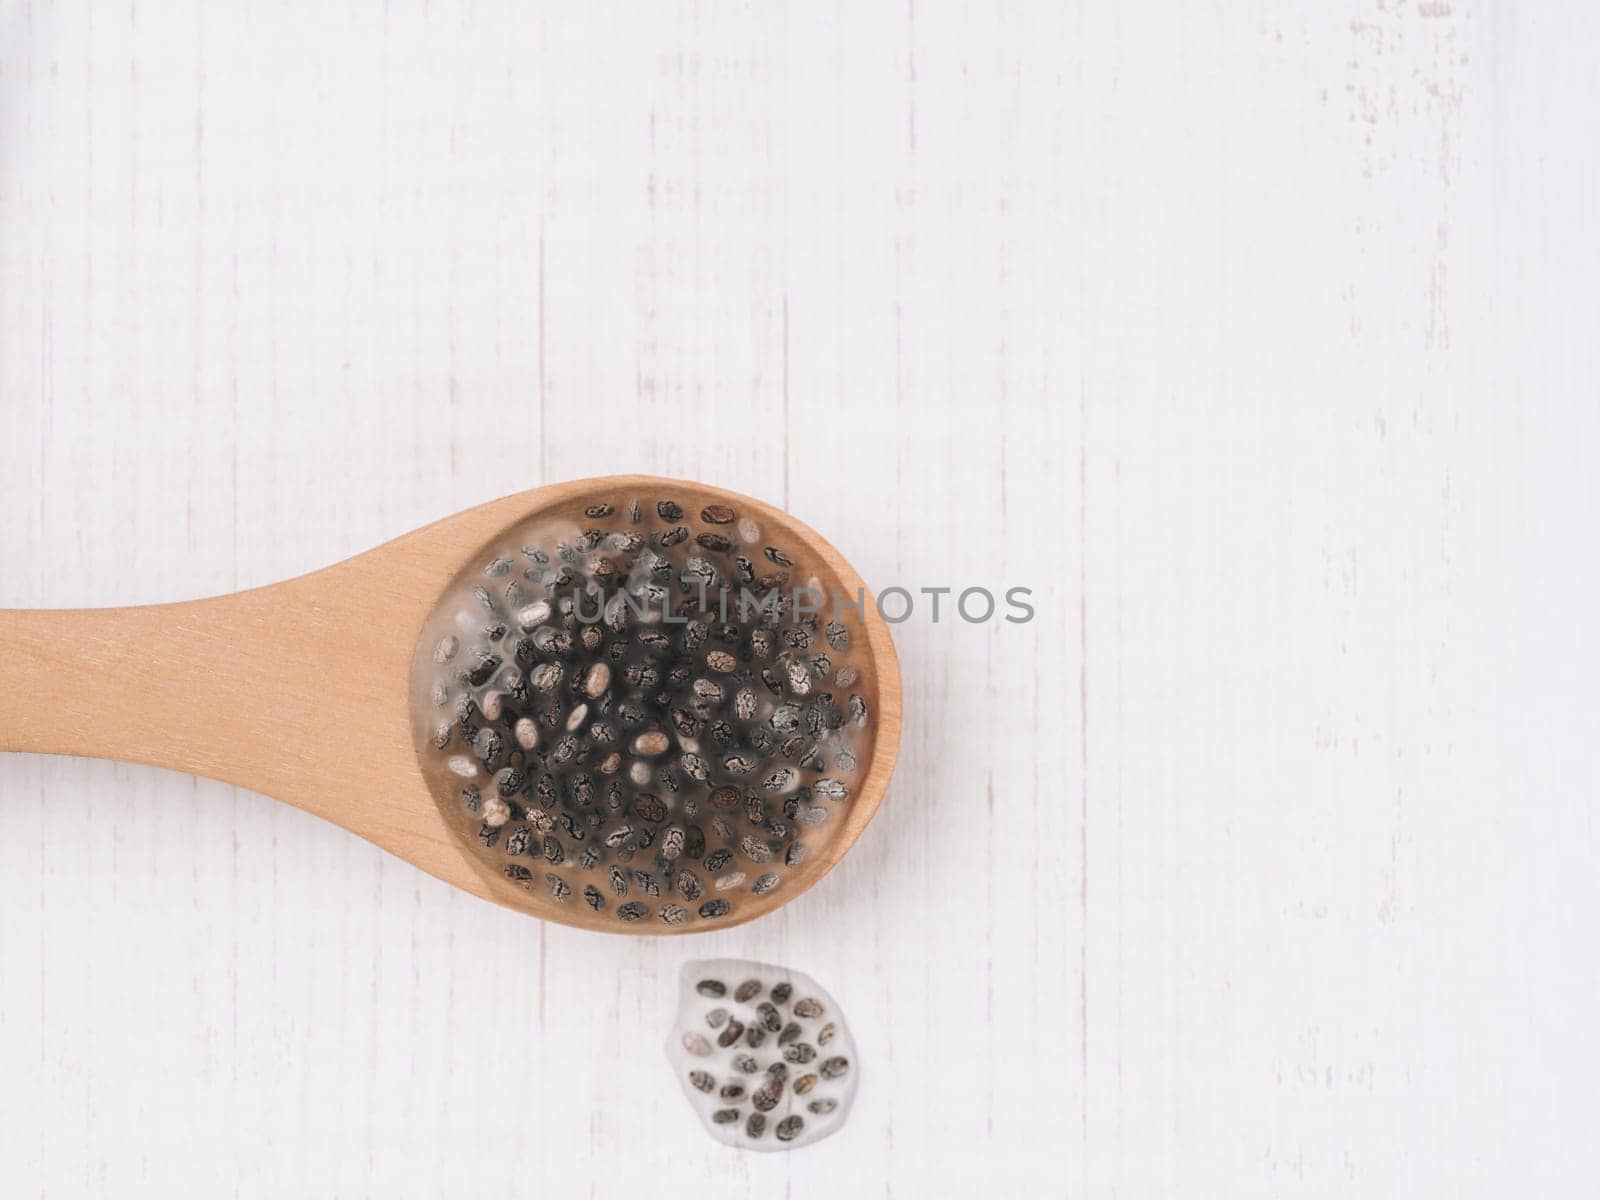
column 748, row 990
column 765, row 1098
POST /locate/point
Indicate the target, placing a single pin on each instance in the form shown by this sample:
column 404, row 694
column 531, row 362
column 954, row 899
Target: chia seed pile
column 626, row 711
column 764, row 1055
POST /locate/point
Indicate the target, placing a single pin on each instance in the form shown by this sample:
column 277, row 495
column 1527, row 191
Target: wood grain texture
column 1258, row 341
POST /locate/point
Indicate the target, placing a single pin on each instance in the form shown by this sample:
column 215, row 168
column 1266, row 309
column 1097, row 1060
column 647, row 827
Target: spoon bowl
column 305, row 690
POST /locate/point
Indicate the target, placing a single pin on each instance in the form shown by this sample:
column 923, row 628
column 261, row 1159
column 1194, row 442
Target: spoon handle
column 297, row 691
column 269, row 689
column 173, row 685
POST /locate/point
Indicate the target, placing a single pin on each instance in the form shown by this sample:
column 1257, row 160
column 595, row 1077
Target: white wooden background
column 1259, row 339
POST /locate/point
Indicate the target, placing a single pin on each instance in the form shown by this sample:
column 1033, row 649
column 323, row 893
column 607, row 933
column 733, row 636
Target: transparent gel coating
column 763, row 1054
column 626, row 708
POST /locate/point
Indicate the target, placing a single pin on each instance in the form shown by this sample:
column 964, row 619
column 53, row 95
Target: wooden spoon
column 302, row 690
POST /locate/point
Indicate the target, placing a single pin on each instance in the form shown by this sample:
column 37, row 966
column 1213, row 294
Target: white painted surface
column 1260, row 340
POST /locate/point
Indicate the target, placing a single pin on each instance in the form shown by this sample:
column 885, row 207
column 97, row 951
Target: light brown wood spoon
column 303, row 690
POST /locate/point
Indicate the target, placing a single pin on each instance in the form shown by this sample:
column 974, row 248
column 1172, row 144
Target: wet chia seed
column 638, row 724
